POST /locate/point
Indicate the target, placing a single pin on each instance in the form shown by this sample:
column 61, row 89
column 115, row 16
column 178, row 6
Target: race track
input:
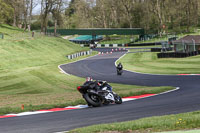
column 102, row 67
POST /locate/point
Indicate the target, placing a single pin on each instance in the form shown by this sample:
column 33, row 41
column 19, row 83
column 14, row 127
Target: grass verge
column 184, row 121
column 149, row 63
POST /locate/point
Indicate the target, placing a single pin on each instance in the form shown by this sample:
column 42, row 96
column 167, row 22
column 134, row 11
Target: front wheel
column 92, row 99
column 118, row 99
column 119, row 72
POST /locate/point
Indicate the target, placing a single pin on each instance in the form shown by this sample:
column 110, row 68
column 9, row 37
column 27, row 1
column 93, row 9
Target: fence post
column 194, row 44
column 33, row 33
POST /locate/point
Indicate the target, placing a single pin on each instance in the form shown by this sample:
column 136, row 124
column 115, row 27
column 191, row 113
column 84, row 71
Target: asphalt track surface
column 102, row 67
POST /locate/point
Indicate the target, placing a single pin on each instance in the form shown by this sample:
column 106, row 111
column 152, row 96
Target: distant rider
column 119, row 66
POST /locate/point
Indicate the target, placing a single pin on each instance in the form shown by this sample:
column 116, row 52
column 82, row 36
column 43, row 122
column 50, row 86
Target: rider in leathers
column 119, row 67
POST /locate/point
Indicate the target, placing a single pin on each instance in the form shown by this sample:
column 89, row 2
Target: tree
column 56, row 12
column 128, row 7
column 6, row 11
column 46, row 8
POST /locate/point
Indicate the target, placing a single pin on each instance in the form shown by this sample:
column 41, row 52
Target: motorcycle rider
column 98, row 92
column 119, row 67
column 98, row 84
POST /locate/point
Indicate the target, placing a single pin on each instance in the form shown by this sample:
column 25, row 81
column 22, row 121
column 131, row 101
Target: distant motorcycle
column 98, row 93
column 119, row 69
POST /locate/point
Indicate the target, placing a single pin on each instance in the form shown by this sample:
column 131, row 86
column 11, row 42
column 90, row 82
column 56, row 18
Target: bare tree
column 128, row 6
column 56, row 12
column 46, row 8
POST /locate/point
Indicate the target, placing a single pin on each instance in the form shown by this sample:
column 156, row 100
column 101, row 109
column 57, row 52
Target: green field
column 149, row 63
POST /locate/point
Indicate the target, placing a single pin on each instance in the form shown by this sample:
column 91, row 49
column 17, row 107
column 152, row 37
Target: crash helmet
column 89, row 79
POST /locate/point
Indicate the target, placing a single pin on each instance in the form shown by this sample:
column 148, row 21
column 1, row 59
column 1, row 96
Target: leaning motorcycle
column 97, row 96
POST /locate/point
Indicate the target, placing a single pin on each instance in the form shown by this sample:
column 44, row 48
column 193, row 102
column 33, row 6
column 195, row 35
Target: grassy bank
column 149, row 63
column 29, row 71
column 184, row 121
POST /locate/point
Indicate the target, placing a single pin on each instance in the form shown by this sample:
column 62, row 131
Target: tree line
column 155, row 16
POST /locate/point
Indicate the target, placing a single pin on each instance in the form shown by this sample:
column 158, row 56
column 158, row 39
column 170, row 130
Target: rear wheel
column 93, row 100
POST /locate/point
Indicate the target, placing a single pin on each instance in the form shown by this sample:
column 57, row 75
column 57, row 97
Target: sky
column 36, row 10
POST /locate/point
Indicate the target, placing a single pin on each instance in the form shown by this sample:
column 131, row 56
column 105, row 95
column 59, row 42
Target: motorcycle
column 98, row 93
column 119, row 71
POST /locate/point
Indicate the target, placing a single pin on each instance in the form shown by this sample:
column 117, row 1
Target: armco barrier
column 75, row 55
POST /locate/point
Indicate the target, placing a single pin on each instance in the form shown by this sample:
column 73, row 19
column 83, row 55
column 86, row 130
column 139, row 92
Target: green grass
column 16, row 34
column 118, row 39
column 184, row 121
column 149, row 63
column 9, row 30
column 29, row 71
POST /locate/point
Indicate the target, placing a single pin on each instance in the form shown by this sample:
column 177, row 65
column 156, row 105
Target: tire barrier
column 177, row 55
column 160, row 49
column 76, row 55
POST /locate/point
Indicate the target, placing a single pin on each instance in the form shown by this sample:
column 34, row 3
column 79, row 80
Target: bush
column 36, row 25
